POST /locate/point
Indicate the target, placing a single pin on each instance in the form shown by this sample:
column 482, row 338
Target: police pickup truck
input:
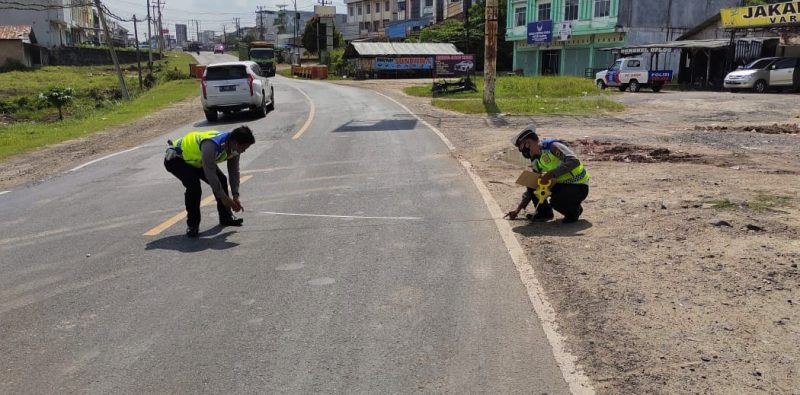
column 631, row 73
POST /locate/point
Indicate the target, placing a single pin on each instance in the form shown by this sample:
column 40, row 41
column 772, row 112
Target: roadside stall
column 395, row 60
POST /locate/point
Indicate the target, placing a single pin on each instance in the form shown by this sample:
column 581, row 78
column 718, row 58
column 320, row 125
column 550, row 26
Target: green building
column 580, row 29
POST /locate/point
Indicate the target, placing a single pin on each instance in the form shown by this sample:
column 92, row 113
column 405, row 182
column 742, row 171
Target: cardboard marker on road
column 529, row 179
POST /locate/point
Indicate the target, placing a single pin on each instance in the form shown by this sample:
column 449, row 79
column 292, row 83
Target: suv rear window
column 236, row 72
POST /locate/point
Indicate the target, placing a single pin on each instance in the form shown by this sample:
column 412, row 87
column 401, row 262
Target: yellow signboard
column 762, row 15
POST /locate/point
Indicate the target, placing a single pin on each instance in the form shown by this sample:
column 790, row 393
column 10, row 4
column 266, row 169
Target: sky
column 211, row 14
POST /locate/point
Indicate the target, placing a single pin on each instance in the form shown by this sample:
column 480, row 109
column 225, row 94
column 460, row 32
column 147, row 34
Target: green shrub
column 57, row 97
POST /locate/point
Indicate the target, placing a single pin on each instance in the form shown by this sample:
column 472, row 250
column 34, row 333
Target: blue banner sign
column 540, row 32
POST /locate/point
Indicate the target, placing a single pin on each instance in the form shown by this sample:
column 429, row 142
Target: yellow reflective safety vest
column 548, row 161
column 188, row 147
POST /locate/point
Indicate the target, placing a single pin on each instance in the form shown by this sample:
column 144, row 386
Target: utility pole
column 260, row 12
column 138, row 55
column 490, row 54
column 149, row 42
column 160, row 31
column 122, row 86
column 295, row 49
column 224, row 41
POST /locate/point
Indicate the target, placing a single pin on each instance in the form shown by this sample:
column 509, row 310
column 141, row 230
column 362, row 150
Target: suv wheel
column 635, row 87
column 261, row 111
column 760, row 86
column 211, row 115
column 601, row 85
column 271, row 106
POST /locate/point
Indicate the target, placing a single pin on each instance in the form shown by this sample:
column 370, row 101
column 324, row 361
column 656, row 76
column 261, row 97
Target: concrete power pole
column 149, row 41
column 138, row 60
column 160, row 30
column 110, row 43
column 490, row 54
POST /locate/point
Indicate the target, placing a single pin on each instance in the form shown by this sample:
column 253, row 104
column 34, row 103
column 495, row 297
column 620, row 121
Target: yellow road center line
column 311, row 112
column 178, row 217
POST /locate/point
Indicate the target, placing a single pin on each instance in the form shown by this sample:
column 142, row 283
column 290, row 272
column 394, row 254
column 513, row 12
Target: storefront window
column 602, row 8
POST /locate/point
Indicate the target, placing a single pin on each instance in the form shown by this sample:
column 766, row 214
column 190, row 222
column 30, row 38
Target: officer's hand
column 230, row 203
column 512, row 215
column 238, row 204
column 546, row 177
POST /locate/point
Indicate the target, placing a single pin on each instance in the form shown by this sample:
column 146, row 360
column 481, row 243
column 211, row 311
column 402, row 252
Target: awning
column 685, row 44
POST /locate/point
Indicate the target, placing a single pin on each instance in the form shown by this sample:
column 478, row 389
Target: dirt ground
column 682, row 276
column 39, row 165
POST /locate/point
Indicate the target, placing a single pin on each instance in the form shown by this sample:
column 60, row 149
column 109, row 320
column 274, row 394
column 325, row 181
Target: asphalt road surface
column 368, row 263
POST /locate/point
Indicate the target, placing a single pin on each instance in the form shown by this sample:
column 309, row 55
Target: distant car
column 765, row 73
column 465, row 65
column 219, row 49
column 234, row 86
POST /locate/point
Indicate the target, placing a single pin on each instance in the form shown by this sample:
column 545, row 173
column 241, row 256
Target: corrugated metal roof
column 414, row 49
column 15, row 32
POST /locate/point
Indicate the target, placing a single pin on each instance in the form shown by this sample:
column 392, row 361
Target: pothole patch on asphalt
column 290, row 266
column 321, row 281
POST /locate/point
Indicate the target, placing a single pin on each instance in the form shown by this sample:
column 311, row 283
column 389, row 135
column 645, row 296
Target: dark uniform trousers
column 566, row 199
column 190, row 177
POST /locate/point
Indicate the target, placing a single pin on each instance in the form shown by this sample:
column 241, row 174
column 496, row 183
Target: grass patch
column 763, row 201
column 720, row 204
column 97, row 101
column 528, row 96
column 285, row 72
column 21, row 137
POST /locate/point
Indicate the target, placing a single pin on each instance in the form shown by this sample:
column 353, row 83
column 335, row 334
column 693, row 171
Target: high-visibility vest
column 188, row 147
column 548, row 161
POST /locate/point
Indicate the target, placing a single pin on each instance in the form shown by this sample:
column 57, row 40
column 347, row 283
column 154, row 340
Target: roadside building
column 58, row 23
column 181, row 34
column 18, row 43
column 369, row 18
column 387, row 60
column 568, row 37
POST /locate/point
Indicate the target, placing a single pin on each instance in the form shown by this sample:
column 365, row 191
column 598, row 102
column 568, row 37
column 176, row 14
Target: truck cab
column 260, row 52
column 631, row 73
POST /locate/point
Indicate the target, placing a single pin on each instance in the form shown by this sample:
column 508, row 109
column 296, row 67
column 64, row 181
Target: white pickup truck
column 631, row 73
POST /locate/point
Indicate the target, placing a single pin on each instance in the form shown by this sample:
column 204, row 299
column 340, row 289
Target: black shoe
column 540, row 217
column 231, row 221
column 570, row 220
column 192, row 232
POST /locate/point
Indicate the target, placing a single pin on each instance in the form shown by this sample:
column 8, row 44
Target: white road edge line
column 103, row 158
column 577, row 380
column 339, row 216
column 4, row 192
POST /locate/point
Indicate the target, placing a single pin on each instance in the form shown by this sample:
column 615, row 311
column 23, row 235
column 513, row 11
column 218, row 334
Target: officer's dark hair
column 243, row 135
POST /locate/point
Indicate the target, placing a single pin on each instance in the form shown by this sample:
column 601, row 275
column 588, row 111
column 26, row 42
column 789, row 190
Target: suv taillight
column 250, row 82
column 203, row 83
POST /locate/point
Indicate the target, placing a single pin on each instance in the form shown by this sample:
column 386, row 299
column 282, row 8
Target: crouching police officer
column 557, row 163
column 195, row 156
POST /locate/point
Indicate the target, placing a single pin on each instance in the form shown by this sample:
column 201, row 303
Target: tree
column 452, row 31
column 250, row 37
column 309, row 38
column 57, row 97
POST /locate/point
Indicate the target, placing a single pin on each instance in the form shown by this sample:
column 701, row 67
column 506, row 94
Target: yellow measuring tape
column 542, row 192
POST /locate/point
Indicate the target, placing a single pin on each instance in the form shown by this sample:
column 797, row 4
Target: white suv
column 233, row 86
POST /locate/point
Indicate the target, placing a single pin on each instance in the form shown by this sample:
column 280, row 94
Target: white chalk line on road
column 103, row 158
column 339, row 216
column 576, row 379
column 4, row 192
